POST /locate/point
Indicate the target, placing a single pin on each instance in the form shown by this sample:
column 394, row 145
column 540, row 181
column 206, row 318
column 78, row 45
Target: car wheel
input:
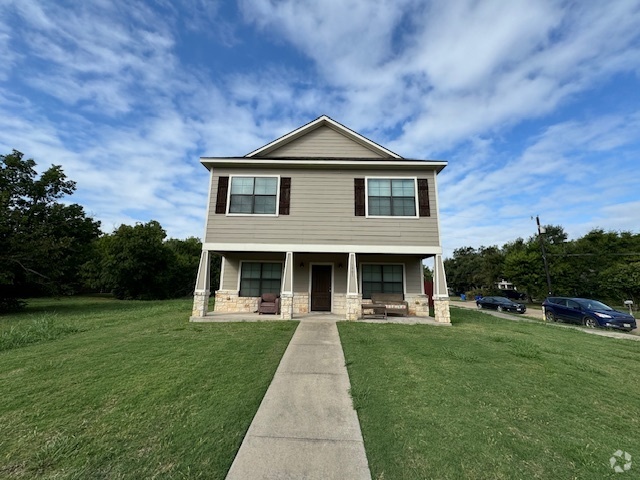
column 550, row 316
column 590, row 322
column 479, row 306
column 500, row 308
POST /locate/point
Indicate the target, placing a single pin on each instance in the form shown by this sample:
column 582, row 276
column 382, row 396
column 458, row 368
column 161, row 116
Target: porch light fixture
column 301, row 264
column 340, row 265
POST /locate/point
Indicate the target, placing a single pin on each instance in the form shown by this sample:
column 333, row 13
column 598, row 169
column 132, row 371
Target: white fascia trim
column 316, row 248
column 239, row 162
column 323, row 119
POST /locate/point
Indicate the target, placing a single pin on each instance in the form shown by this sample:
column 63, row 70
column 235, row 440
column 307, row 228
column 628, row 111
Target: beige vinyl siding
column 412, row 269
column 322, row 213
column 324, row 142
column 230, row 277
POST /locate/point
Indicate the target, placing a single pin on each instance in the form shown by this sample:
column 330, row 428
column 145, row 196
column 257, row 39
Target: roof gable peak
column 324, row 121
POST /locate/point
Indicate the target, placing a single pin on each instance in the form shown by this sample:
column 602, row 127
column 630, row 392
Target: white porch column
column 203, row 287
column 440, row 292
column 286, row 295
column 354, row 297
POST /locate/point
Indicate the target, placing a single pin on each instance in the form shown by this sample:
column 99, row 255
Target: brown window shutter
column 423, row 197
column 285, row 195
column 358, row 184
column 221, row 198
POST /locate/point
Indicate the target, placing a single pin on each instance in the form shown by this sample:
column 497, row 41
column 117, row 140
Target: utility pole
column 542, row 230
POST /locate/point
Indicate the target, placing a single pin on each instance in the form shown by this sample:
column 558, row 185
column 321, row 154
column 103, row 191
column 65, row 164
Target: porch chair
column 269, row 303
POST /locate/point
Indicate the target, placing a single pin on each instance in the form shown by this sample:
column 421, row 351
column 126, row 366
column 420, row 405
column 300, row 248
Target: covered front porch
column 317, row 283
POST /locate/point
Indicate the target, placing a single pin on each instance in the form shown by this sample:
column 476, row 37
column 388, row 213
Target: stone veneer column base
column 339, row 306
column 200, row 303
column 286, row 306
column 441, row 308
column 353, row 306
column 228, row 301
column 300, row 303
column 418, row 304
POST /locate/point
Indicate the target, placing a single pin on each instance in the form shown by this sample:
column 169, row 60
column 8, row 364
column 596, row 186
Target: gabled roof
column 377, row 151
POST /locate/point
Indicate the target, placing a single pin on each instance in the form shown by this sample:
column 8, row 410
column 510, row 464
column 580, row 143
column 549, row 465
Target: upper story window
column 391, row 197
column 253, row 195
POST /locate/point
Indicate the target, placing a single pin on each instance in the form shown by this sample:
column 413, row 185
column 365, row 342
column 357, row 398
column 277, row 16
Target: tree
column 621, row 282
column 136, row 262
column 42, row 242
column 184, row 266
column 133, row 262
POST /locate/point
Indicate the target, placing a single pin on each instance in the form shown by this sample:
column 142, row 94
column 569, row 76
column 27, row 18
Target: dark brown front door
column 321, row 288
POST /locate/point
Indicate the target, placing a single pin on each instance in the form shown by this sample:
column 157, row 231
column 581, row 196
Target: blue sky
column 536, row 105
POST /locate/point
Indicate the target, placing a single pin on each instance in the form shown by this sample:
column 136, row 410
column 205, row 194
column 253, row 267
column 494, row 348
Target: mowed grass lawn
column 493, row 399
column 98, row 388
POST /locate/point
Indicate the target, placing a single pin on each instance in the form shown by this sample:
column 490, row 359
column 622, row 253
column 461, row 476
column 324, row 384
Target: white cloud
column 448, row 71
column 103, row 90
column 571, row 172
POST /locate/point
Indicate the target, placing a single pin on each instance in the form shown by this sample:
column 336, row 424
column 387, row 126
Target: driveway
column 634, row 335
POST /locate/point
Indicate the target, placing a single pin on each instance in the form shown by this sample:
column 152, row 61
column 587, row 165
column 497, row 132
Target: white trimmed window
column 391, row 197
column 257, row 278
column 382, row 279
column 253, row 195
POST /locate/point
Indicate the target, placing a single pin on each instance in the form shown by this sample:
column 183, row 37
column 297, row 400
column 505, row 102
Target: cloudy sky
column 536, row 105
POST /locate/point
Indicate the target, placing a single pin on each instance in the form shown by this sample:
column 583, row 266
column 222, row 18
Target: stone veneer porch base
column 229, row 301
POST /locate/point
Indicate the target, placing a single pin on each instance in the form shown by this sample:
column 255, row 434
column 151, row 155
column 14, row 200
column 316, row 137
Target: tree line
column 602, row 264
column 48, row 247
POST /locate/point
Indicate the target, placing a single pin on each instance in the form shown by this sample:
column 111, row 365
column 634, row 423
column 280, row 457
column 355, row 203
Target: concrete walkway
column 306, row 427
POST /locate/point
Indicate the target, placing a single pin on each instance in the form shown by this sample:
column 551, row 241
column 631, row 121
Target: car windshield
column 593, row 305
column 502, row 300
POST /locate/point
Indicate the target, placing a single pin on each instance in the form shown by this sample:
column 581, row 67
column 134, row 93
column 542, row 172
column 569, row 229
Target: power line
column 593, row 254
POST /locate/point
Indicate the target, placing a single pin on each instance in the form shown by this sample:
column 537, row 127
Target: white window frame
column 231, row 177
column 404, row 274
column 259, row 261
column 415, row 196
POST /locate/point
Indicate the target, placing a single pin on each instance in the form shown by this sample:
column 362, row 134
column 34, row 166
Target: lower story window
column 258, row 278
column 381, row 279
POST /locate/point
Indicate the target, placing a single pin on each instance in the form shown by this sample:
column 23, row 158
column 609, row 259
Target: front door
column 321, row 288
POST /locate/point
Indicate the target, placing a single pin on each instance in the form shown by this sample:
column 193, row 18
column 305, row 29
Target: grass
column 98, row 388
column 493, row 399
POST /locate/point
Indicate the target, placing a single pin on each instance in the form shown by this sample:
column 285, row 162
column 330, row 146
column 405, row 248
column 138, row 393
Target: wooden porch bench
column 393, row 302
column 370, row 310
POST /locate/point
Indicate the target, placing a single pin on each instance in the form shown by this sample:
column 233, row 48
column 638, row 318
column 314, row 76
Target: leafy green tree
column 525, row 270
column 184, row 266
column 136, row 262
column 427, row 273
column 42, row 242
column 621, row 282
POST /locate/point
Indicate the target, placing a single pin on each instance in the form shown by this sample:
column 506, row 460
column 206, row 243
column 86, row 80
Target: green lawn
column 97, row 388
column 493, row 399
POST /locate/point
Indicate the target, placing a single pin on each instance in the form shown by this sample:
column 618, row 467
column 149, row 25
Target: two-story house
column 324, row 217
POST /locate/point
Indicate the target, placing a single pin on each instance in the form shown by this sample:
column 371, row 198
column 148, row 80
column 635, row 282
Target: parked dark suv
column 585, row 311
